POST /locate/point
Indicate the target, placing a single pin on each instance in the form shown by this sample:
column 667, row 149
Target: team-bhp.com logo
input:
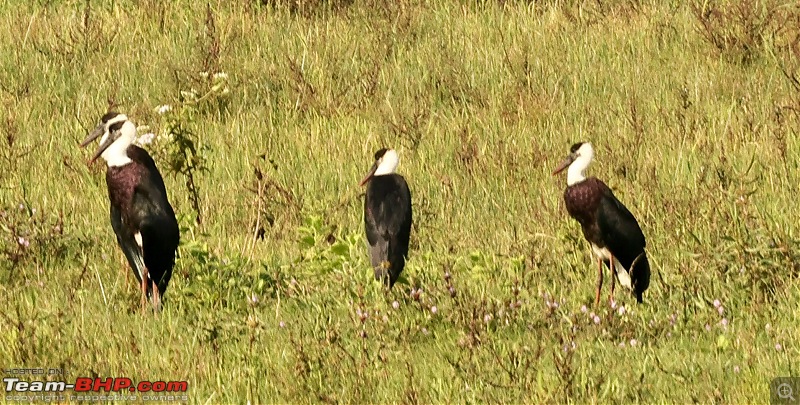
column 94, row 389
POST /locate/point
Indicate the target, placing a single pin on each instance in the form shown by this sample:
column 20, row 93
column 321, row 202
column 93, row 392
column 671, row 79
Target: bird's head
column 116, row 133
column 386, row 161
column 579, row 158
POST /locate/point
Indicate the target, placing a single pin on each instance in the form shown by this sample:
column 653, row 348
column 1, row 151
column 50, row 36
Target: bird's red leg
column 599, row 282
column 613, row 280
column 144, row 288
column 156, row 297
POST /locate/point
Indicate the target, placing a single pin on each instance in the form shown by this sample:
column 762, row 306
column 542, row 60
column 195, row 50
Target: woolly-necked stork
column 141, row 214
column 387, row 216
column 612, row 231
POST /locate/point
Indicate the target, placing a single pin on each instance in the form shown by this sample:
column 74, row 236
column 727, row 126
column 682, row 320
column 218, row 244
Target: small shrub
column 739, row 30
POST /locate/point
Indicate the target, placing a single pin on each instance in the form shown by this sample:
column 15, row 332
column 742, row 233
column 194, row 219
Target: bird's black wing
column 375, row 231
column 390, row 214
column 155, row 218
column 401, row 226
column 159, row 228
column 152, row 184
column 619, row 229
column 127, row 243
column 625, row 240
column 377, row 236
column 387, row 220
column 622, row 235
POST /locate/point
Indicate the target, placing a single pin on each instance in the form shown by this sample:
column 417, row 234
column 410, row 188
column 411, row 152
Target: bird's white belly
column 601, row 253
column 622, row 273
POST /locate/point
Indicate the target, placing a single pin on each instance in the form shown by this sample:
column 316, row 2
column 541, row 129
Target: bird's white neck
column 576, row 172
column 388, row 163
column 116, row 154
column 116, row 159
column 575, row 175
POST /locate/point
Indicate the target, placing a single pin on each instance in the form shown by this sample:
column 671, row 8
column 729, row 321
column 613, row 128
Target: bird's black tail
column 388, row 262
column 640, row 275
column 160, row 246
column 379, row 256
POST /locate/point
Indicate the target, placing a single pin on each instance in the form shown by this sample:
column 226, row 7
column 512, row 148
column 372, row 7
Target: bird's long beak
column 96, row 133
column 564, row 164
column 369, row 174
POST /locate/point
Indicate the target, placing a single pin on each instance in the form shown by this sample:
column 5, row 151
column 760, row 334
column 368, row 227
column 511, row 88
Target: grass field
column 275, row 112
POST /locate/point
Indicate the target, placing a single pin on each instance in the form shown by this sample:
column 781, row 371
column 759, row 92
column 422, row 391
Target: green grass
column 695, row 128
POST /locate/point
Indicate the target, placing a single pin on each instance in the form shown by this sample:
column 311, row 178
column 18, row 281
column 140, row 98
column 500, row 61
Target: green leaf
column 340, row 249
column 308, row 241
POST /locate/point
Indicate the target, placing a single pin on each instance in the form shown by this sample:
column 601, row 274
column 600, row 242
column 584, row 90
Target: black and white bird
column 612, row 231
column 141, row 214
column 387, row 216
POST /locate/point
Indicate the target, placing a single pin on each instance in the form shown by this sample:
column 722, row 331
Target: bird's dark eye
column 116, row 126
column 575, row 147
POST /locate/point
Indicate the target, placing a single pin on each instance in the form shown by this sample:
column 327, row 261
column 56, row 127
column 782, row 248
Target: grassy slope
column 482, row 102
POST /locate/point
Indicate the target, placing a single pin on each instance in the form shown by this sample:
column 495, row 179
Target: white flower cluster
column 147, row 136
column 219, row 83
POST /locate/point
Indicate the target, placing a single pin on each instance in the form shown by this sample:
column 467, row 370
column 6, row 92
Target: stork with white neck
column 612, row 231
column 141, row 214
column 387, row 216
